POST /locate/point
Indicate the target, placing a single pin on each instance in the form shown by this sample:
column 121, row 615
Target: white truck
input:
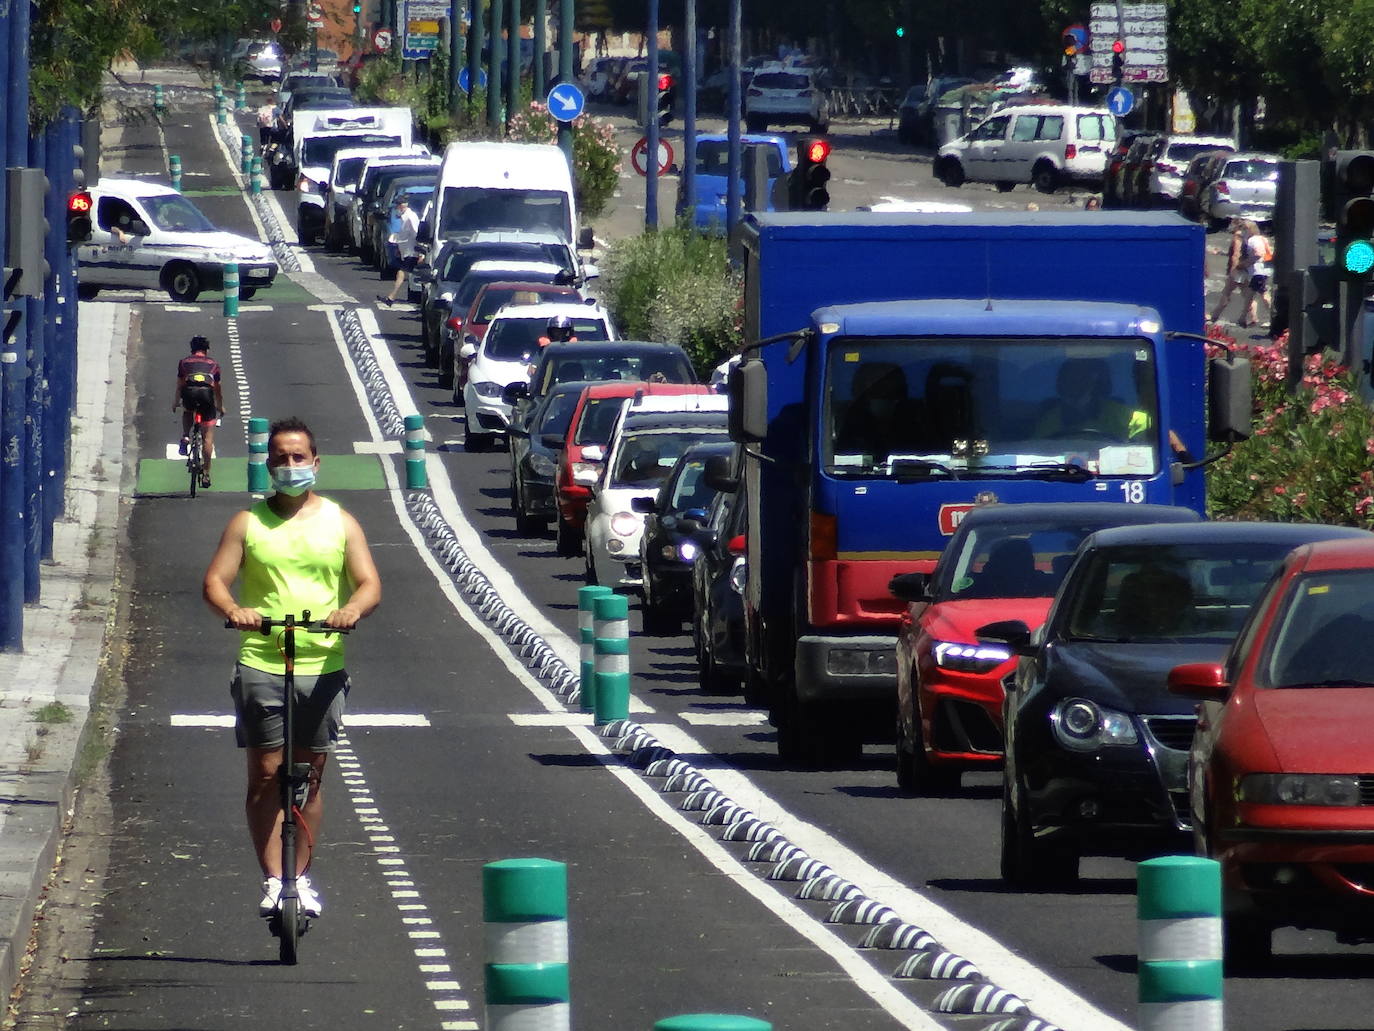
column 325, row 134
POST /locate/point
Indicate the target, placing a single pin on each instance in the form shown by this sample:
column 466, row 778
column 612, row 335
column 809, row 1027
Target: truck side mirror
column 717, row 475
column 747, row 388
column 1230, row 399
column 910, row 587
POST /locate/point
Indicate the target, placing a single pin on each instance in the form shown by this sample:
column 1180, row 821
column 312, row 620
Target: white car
column 1246, row 187
column 1170, row 156
column 651, row 435
column 506, row 355
column 263, row 61
column 145, row 235
column 1046, row 145
column 785, row 94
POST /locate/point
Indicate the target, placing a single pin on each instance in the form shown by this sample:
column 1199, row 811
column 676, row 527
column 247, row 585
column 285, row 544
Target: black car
column 417, row 188
column 718, row 578
column 599, row 362
column 673, row 524
column 368, row 201
column 911, row 126
column 534, row 458
column 1096, row 746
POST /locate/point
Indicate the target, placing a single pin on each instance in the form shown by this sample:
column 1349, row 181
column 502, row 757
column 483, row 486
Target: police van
column 145, row 235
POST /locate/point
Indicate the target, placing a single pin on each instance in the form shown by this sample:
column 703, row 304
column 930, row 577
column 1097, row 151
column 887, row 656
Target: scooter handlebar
column 312, row 626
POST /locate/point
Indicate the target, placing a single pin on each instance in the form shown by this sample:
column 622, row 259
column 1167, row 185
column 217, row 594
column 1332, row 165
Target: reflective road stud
column 585, row 597
column 174, row 170
column 231, row 291
column 258, row 480
column 1178, row 910
column 416, row 477
column 712, row 1022
column 525, row 906
column 611, row 658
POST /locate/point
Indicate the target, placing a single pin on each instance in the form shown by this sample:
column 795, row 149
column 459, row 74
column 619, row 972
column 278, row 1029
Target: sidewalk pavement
column 64, row 636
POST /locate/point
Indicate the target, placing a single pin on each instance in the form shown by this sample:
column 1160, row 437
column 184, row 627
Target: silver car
column 1244, row 188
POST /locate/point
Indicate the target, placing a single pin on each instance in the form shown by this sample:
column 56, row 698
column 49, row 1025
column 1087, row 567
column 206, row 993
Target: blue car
column 712, row 177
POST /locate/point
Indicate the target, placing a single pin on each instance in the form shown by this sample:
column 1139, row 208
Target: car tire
column 589, row 568
column 1026, row 862
column 246, row 293
column 710, row 677
column 916, row 775
column 567, row 540
column 181, row 281
column 952, row 172
column 475, row 443
column 331, row 241
column 654, row 619
column 755, row 124
column 1004, row 186
column 820, row 128
column 445, row 363
column 1045, row 177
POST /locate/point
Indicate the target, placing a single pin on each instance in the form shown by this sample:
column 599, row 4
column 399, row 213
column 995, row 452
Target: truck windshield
column 475, row 209
column 319, row 151
column 990, row 407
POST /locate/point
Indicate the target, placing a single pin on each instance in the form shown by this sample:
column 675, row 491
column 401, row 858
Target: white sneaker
column 310, row 899
column 271, row 893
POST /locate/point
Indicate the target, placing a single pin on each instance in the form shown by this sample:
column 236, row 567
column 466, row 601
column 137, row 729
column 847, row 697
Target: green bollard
column 712, row 1022
column 174, row 170
column 417, row 478
column 611, row 658
column 525, row 908
column 241, row 98
column 245, row 153
column 258, row 479
column 231, row 291
column 221, row 115
column 159, row 99
column 586, row 634
column 1178, row 913
column 255, row 175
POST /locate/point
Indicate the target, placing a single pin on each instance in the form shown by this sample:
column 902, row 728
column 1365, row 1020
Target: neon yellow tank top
column 294, row 565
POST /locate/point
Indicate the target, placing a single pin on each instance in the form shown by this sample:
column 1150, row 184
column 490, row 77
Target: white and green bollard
column 255, row 175
column 174, row 171
column 159, row 99
column 245, row 153
column 1178, row 909
column 586, row 635
column 610, row 658
column 221, row 113
column 712, row 1022
column 525, row 907
column 416, row 476
column 259, row 482
column 240, row 97
column 231, row 291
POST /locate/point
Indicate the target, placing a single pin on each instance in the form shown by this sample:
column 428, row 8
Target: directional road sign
column 566, row 101
column 639, row 156
column 1120, row 100
column 464, row 80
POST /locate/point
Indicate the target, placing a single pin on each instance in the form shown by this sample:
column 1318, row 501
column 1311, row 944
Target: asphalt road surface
column 458, row 755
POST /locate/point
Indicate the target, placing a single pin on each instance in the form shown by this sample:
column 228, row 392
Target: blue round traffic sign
column 566, row 101
column 1120, row 100
column 465, row 80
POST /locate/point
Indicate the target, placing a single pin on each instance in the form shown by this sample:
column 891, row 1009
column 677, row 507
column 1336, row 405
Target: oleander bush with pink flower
column 1309, row 458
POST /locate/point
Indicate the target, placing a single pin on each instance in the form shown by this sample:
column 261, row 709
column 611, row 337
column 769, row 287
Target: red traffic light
column 1118, row 46
column 665, row 81
column 817, row 151
column 79, row 203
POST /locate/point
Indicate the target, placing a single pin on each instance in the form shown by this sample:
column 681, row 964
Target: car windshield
column 713, row 158
column 670, row 367
column 999, row 561
column 690, row 490
column 1150, row 594
column 645, row 459
column 1322, row 635
column 512, row 333
column 1188, row 151
column 470, row 209
column 781, row 80
column 175, row 213
column 495, row 298
column 901, row 407
column 350, row 171
column 558, row 412
column 320, row 150
column 1251, row 171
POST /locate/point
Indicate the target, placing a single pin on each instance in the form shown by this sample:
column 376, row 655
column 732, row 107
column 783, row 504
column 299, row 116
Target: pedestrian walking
column 1261, row 254
column 401, row 247
column 1237, row 268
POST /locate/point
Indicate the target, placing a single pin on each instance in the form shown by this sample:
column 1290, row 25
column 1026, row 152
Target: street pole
column 689, row 109
column 497, row 51
column 649, row 84
column 541, row 45
column 455, row 54
column 732, row 187
column 476, row 39
column 513, row 62
column 565, row 68
column 37, row 321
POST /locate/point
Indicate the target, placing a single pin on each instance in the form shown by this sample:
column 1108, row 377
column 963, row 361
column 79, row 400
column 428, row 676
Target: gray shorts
column 258, row 708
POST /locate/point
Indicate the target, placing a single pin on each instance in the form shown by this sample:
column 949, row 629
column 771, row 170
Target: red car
column 1281, row 772
column 579, row 462
column 1003, row 562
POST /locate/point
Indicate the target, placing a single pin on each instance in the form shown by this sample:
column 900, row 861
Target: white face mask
column 293, row 481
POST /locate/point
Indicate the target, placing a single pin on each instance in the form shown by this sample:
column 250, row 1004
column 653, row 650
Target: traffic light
column 808, row 179
column 357, row 7
column 667, row 95
column 1118, row 61
column 26, row 231
column 79, row 206
column 901, row 31
column 1353, row 193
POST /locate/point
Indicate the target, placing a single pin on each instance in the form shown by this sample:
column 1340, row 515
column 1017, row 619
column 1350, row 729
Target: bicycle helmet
column 560, row 328
column 199, row 343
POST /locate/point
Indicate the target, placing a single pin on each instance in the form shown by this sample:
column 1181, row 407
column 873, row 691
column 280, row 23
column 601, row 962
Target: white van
column 145, row 235
column 496, row 186
column 325, row 134
column 1046, row 145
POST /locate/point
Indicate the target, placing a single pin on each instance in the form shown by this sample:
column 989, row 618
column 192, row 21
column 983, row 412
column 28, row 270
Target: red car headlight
column 969, row 658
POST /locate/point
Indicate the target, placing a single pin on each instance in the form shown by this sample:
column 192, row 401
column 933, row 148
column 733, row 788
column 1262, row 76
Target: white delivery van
column 326, row 133
column 503, row 186
column 145, row 235
column 342, row 182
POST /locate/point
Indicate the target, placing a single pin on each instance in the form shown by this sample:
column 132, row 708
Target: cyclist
column 558, row 330
column 293, row 552
column 199, row 390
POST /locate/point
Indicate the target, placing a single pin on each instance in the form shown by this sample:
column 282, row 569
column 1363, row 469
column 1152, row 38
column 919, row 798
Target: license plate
column 259, row 273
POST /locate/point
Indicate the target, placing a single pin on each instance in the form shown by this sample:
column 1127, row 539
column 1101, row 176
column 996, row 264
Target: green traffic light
column 901, row 31
column 1358, row 257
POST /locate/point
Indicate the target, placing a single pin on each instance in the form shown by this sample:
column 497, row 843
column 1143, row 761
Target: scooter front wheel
column 291, row 930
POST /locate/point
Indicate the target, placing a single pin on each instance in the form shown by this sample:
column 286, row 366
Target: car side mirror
column 586, row 239
column 717, row 476
column 1201, row 681
column 468, row 350
column 553, row 441
column 590, row 272
column 644, row 506
column 910, row 587
column 1012, row 632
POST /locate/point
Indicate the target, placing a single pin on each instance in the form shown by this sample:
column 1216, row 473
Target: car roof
column 548, row 309
column 1293, row 534
column 636, row 421
column 133, row 187
column 523, row 284
column 620, row 347
column 631, row 387
column 1247, row 155
column 710, row 447
column 1337, row 554
column 1075, row 513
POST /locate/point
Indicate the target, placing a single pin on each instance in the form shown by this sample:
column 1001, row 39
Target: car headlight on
column 1084, row 725
column 687, row 551
column 1299, row 789
column 542, row 465
column 626, row 524
column 585, row 473
column 487, row 389
column 969, row 658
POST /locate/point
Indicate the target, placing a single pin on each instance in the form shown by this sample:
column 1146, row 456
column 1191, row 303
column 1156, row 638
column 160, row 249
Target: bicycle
column 287, row 923
column 195, row 453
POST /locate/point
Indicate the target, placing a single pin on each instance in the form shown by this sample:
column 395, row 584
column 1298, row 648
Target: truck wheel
column 181, row 281
column 805, row 737
column 952, row 172
column 1045, row 178
column 86, row 291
